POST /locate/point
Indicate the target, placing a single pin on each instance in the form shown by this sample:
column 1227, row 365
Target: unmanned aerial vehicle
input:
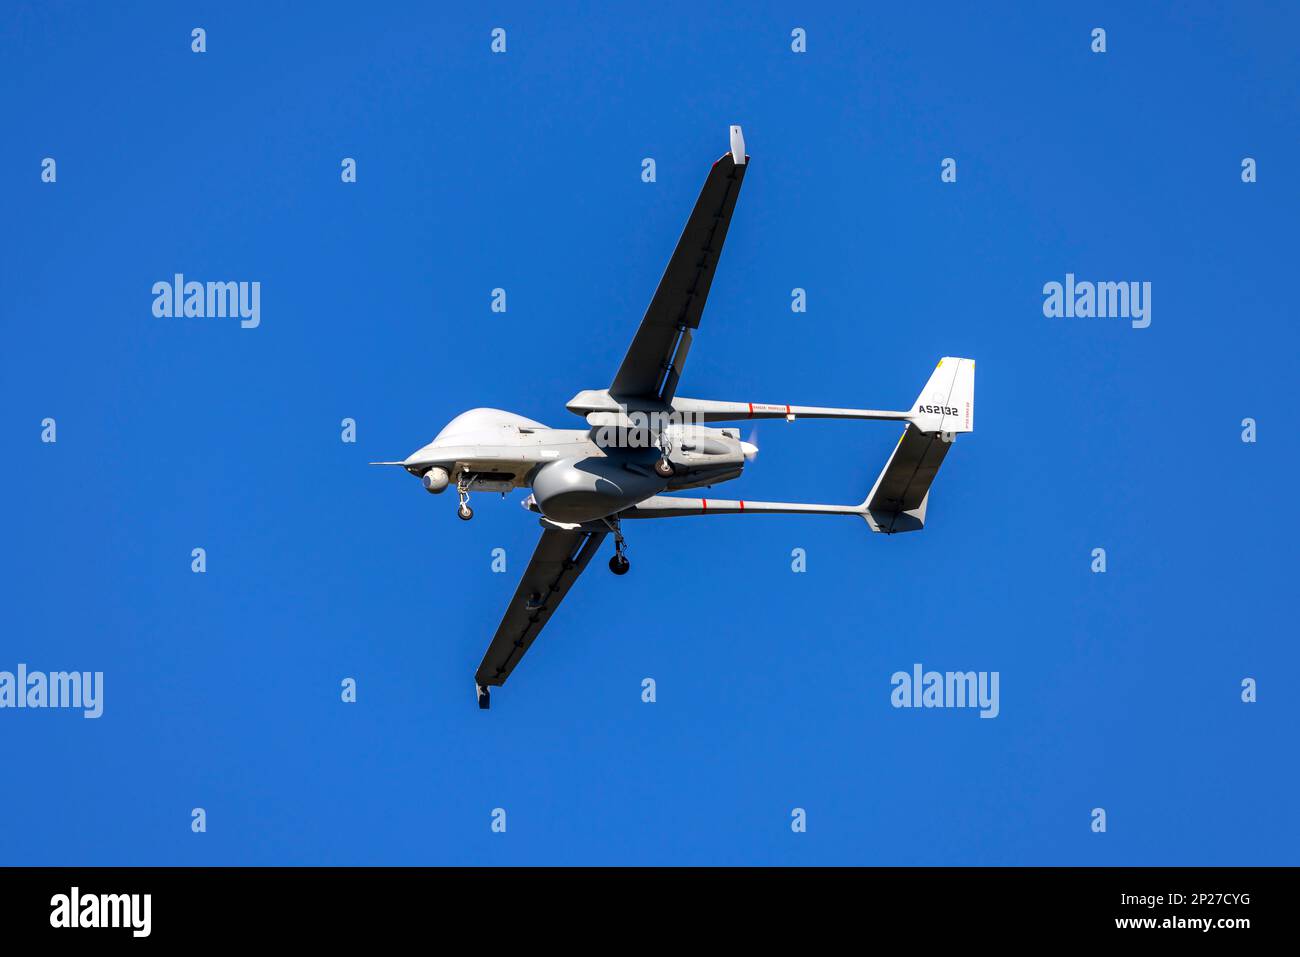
column 642, row 439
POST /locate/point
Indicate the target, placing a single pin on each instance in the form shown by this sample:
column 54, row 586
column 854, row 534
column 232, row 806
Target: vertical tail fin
column 947, row 403
column 946, row 406
column 899, row 498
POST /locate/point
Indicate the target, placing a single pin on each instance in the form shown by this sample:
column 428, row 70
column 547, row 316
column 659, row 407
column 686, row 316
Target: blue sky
column 1118, row 690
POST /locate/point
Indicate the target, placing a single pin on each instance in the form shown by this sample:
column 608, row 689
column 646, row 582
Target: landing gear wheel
column 664, row 469
column 619, row 563
column 463, row 483
column 484, row 698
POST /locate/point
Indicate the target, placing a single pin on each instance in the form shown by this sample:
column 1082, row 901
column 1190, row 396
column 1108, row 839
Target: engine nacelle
column 588, row 489
column 701, row 455
column 435, row 480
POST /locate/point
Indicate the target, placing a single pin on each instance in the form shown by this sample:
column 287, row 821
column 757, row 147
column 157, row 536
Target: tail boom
column 673, row 506
column 708, row 410
column 898, row 500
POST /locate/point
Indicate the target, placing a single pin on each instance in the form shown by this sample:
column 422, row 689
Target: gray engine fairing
column 584, row 489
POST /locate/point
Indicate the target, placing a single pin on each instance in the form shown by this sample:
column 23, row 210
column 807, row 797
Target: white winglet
column 738, row 146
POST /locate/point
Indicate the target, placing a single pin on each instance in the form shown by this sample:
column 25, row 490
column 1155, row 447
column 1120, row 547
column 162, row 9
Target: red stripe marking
column 742, row 504
column 704, row 504
column 787, row 410
column 751, row 410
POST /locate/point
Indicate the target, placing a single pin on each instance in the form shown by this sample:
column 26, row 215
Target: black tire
column 465, row 513
column 619, row 565
column 664, row 469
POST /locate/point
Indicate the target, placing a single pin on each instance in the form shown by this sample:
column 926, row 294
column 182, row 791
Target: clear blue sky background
column 522, row 171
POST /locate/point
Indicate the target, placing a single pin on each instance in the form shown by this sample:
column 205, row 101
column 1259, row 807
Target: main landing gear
column 619, row 564
column 664, row 467
column 465, row 513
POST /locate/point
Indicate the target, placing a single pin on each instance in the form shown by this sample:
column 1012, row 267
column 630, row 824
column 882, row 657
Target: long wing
column 654, row 360
column 558, row 560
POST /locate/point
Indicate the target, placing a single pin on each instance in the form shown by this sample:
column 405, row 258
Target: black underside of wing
column 558, row 560
column 655, row 359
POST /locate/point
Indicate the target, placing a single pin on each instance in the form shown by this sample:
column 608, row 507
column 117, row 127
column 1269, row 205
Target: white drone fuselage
column 576, row 475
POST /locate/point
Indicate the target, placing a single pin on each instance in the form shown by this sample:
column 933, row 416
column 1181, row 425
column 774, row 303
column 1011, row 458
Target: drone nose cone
column 419, row 457
column 750, row 450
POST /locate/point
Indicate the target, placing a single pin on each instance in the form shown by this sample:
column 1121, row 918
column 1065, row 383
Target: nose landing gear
column 463, row 511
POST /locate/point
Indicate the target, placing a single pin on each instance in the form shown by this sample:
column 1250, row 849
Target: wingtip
column 738, row 154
